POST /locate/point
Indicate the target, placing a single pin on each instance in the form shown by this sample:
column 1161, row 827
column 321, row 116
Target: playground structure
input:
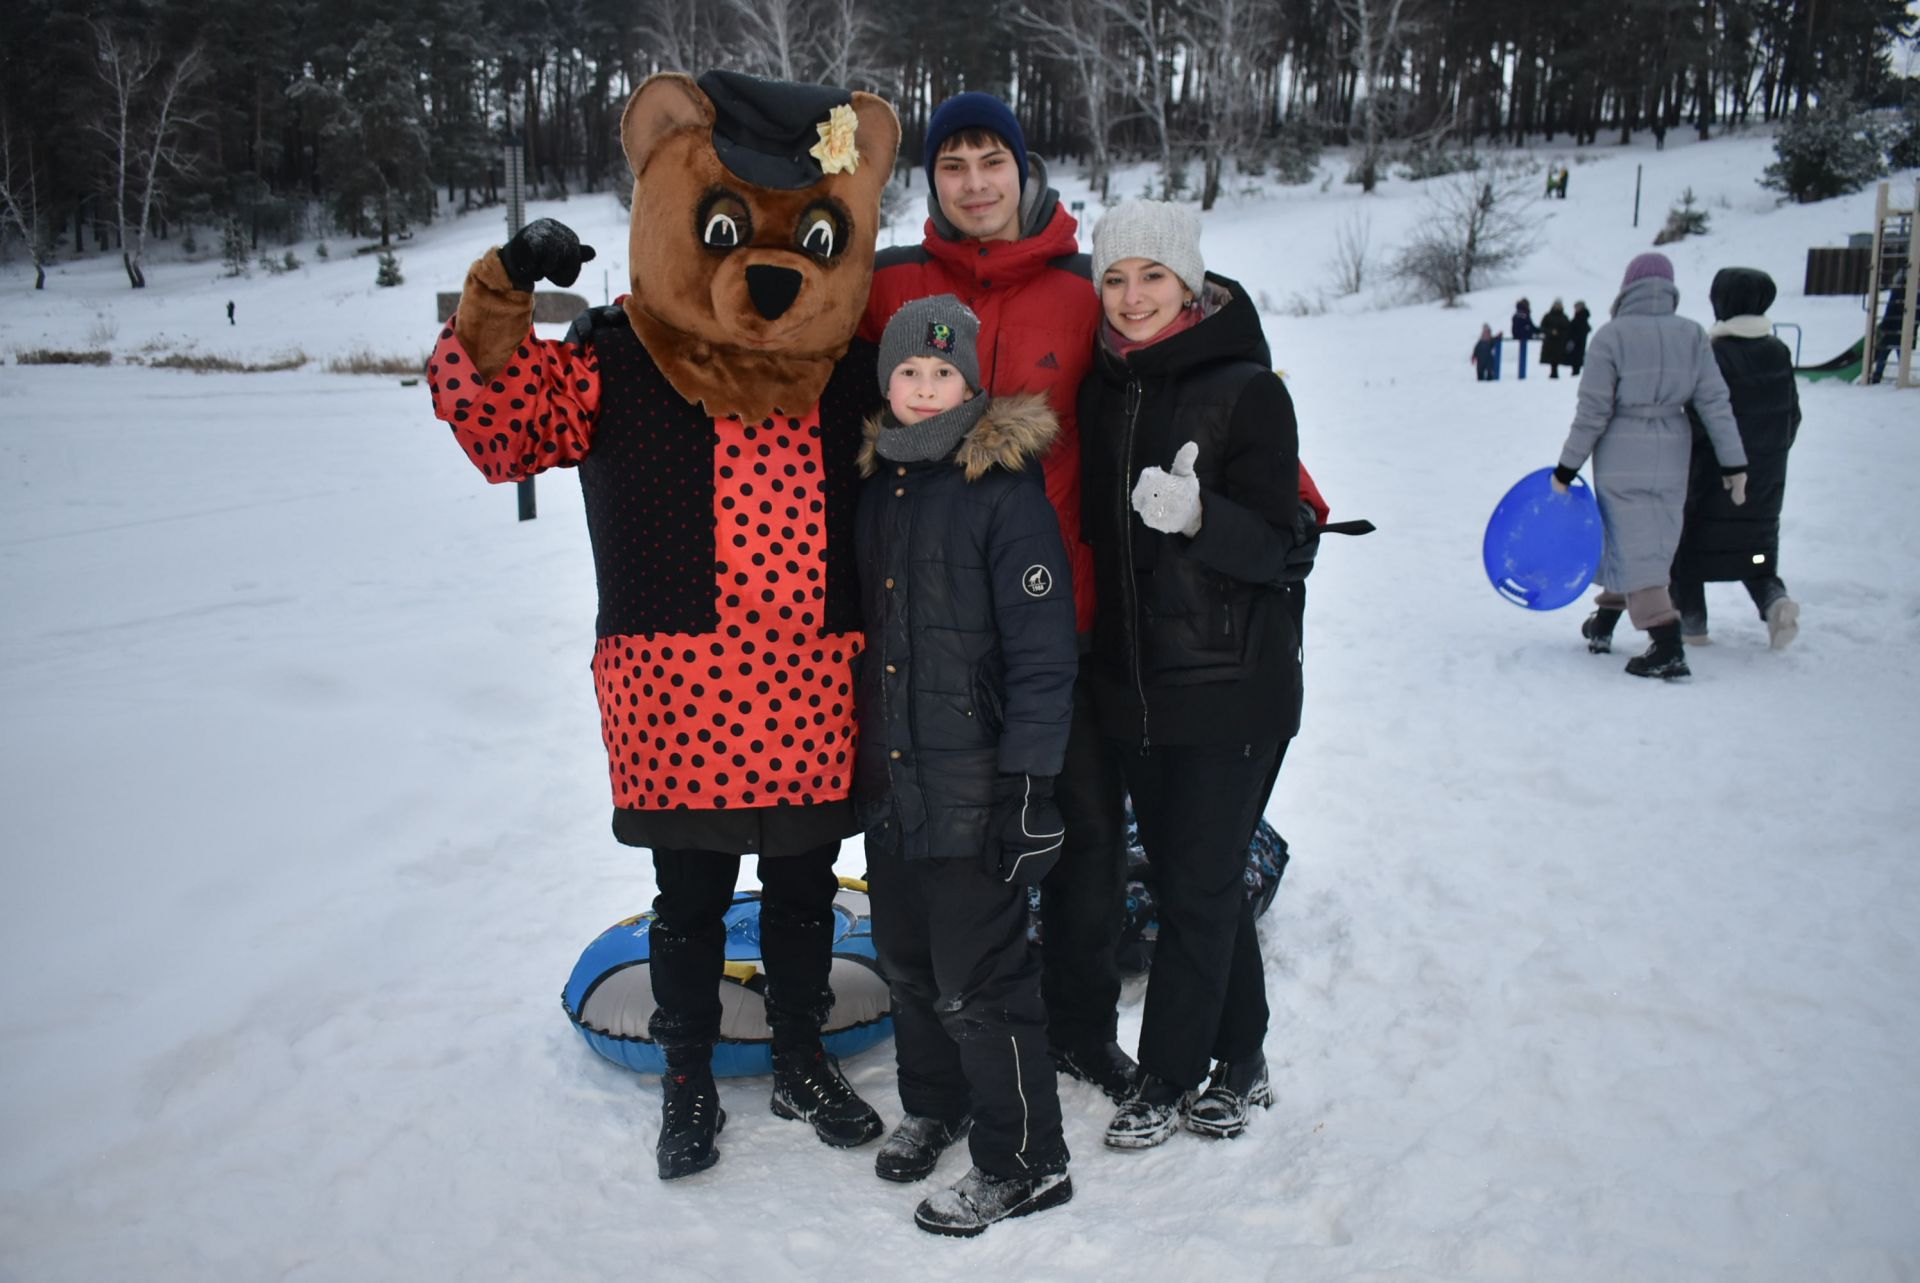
column 1894, row 248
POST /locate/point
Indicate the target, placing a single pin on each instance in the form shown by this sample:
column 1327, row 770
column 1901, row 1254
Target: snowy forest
column 263, row 121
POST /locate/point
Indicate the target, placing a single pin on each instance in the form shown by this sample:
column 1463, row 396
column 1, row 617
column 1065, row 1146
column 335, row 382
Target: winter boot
column 1148, row 1116
column 808, row 1086
column 1102, row 1064
column 1598, row 630
column 914, row 1149
column 1783, row 622
column 1665, row 657
column 690, row 1117
column 980, row 1199
column 1236, row 1087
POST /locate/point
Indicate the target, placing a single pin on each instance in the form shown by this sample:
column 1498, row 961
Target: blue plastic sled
column 1542, row 549
column 609, row 997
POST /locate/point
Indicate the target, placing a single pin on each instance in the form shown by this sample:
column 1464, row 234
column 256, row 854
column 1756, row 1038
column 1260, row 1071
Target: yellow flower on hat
column 836, row 150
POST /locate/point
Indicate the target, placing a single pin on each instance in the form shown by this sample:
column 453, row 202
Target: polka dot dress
column 759, row 712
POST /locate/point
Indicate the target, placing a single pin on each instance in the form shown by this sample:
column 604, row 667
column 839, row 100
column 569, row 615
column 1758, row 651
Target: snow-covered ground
column 1574, row 977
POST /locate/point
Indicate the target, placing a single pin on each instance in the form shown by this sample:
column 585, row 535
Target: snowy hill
column 1573, row 977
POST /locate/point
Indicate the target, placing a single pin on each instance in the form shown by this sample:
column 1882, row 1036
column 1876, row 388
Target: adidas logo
column 1047, row 362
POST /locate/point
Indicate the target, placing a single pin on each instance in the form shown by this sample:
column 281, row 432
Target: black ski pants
column 1197, row 806
column 687, row 945
column 1083, row 899
column 969, row 1027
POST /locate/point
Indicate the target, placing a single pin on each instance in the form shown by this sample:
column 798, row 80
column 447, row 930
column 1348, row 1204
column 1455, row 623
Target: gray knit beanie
column 1151, row 229
column 939, row 325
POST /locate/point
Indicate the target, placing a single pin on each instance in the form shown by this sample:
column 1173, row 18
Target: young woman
column 1646, row 369
column 1191, row 503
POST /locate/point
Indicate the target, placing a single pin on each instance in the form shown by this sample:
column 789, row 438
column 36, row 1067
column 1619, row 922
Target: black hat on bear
column 765, row 130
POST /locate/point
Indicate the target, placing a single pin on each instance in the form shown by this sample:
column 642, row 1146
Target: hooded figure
column 1723, row 542
column 1556, row 345
column 1644, row 369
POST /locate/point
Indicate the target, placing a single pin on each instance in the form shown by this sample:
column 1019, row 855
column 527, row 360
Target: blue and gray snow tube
column 1140, row 930
column 609, row 997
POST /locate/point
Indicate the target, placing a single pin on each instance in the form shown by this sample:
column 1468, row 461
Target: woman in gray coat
column 1644, row 368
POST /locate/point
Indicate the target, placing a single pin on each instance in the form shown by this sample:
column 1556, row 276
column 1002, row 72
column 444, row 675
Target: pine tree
column 389, row 269
column 233, row 247
column 1829, row 151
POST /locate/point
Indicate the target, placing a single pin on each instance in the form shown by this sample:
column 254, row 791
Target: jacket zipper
column 1126, row 542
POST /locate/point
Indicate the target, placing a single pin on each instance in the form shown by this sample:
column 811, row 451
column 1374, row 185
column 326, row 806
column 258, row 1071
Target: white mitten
column 1170, row 501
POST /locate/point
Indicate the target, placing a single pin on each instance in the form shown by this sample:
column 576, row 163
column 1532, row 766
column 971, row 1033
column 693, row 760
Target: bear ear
column 878, row 136
column 660, row 106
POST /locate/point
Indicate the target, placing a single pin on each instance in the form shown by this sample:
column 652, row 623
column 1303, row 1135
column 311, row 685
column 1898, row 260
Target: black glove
column 544, row 250
column 1030, row 830
column 1306, row 544
column 1563, row 477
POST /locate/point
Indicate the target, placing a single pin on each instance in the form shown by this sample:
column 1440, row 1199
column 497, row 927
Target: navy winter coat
column 971, row 651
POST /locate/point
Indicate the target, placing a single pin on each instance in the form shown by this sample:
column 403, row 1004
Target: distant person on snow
column 1647, row 365
column 230, row 319
column 1486, row 355
column 1722, row 542
column 1577, row 330
column 1556, row 347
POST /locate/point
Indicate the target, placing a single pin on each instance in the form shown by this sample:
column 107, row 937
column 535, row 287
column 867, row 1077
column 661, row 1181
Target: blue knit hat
column 973, row 111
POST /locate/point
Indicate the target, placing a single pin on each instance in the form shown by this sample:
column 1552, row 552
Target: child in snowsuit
column 1486, row 355
column 965, row 702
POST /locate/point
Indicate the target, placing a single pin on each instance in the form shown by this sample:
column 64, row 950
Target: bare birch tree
column 772, row 36
column 679, row 33
column 1376, row 26
column 142, row 129
column 1078, row 34
column 1227, row 40
column 1475, row 225
column 20, row 201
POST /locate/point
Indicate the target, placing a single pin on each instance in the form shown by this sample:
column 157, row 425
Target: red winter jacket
column 1038, row 316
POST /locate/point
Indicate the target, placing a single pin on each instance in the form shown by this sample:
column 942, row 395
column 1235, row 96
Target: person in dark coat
column 1556, row 347
column 1486, row 355
column 1886, row 339
column 1192, row 506
column 1719, row 541
column 965, row 703
column 1577, row 331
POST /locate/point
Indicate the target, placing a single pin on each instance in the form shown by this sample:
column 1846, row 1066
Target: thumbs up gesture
column 1170, row 501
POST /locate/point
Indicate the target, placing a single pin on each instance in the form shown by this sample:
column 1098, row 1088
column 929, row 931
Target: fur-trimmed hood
column 1015, row 431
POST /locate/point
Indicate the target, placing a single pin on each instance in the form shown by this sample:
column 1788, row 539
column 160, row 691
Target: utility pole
column 516, row 166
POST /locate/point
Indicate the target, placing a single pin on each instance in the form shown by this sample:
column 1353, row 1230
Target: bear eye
column 724, row 222
column 822, row 231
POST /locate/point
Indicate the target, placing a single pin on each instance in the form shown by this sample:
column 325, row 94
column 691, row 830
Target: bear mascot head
column 755, row 207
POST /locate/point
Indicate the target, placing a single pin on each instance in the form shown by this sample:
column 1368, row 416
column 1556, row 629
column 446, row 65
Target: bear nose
column 773, row 289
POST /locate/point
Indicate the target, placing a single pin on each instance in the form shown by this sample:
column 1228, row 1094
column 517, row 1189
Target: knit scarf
column 1180, row 324
column 932, row 438
column 1742, row 327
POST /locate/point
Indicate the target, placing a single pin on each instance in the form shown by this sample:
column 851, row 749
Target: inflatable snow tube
column 1542, row 549
column 1140, row 929
column 609, row 997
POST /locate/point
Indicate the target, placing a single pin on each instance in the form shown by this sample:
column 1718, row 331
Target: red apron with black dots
column 723, row 551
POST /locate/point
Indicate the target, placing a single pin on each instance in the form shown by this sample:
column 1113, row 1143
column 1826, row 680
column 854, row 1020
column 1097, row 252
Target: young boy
column 965, row 702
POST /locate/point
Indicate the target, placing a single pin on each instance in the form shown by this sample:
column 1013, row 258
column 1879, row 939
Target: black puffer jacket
column 1197, row 640
column 1722, row 542
column 971, row 653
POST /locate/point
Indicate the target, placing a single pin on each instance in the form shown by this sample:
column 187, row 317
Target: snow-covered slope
column 1574, row 977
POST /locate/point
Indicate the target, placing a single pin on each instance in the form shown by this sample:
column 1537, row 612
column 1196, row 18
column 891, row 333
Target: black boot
column 808, row 1086
column 1235, row 1088
column 980, row 1199
column 914, row 1149
column 1598, row 630
column 1665, row 657
column 690, row 1117
column 1148, row 1116
column 1103, row 1064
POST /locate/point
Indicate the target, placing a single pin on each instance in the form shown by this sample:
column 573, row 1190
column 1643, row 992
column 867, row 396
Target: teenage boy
column 965, row 701
column 998, row 238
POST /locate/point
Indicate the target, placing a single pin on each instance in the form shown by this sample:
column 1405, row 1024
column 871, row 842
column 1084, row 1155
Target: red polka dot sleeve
column 536, row 414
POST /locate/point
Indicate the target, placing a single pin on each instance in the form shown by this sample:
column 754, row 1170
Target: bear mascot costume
column 715, row 415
